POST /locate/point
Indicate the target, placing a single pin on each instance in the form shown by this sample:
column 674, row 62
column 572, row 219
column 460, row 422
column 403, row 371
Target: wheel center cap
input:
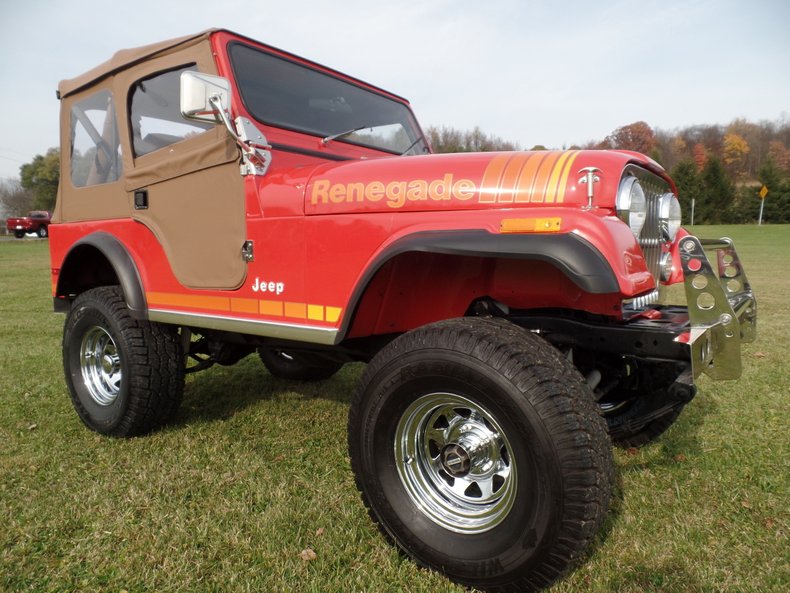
column 455, row 460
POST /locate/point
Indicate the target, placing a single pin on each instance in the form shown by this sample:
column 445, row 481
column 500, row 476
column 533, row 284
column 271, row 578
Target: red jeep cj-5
column 219, row 197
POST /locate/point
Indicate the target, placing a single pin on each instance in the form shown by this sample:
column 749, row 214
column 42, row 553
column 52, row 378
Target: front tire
column 125, row 376
column 480, row 451
column 19, row 234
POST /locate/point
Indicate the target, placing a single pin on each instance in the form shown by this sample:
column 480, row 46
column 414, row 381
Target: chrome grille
column 650, row 239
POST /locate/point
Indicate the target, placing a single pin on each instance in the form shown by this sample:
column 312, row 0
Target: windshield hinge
column 255, row 155
column 248, row 251
column 255, row 149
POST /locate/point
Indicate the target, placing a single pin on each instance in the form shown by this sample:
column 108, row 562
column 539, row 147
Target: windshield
column 288, row 95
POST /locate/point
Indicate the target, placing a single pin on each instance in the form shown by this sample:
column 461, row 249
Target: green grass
column 254, row 470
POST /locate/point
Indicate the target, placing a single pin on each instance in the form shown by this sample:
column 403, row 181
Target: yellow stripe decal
column 333, row 314
column 565, row 174
column 315, row 312
column 551, row 190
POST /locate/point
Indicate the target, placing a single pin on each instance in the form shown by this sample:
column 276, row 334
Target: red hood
column 467, row 181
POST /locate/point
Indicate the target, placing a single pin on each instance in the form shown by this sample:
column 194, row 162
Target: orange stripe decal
column 243, row 305
column 507, row 186
column 273, row 308
column 527, row 176
column 189, row 300
column 492, row 177
column 296, row 310
column 538, row 191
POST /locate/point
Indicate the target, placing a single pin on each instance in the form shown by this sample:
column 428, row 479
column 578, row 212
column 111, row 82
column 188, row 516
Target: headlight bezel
column 669, row 216
column 631, row 204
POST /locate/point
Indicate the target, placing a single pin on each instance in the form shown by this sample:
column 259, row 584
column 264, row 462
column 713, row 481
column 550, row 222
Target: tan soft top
column 124, row 58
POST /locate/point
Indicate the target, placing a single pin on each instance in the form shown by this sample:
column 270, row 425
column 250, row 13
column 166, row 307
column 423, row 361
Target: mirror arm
column 255, row 149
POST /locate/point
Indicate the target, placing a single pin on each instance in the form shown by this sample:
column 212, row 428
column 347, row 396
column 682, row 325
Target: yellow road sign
column 763, row 192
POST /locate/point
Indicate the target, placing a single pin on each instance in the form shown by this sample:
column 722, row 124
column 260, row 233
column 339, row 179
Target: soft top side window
column 95, row 145
column 156, row 119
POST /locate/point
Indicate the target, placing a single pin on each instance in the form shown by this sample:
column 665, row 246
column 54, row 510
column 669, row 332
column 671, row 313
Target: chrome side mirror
column 205, row 97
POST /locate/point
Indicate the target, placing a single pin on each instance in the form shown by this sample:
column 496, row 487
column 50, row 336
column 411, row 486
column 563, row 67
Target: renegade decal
column 395, row 193
column 508, row 178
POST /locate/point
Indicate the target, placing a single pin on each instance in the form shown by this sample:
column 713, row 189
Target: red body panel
column 319, row 225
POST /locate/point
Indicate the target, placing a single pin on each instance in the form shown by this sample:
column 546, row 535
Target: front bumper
column 721, row 307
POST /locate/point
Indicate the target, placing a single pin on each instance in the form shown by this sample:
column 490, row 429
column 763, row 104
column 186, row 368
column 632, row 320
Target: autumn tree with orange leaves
column 637, row 136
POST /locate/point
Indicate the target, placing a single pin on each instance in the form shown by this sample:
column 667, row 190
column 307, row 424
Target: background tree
column 444, row 139
column 14, row 199
column 690, row 191
column 779, row 154
column 41, row 176
column 735, row 153
column 637, row 136
column 718, row 193
column 700, row 155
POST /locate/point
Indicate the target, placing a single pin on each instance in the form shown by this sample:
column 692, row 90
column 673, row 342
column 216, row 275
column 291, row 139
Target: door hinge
column 248, row 251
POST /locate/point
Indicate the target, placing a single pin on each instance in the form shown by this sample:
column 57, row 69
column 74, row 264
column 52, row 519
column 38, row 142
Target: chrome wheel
column 101, row 365
column 455, row 463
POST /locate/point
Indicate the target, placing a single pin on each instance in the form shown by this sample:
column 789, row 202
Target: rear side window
column 156, row 120
column 95, row 146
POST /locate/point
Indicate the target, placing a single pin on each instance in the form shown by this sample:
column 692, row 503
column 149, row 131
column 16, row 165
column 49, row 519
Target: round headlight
column 669, row 216
column 631, row 204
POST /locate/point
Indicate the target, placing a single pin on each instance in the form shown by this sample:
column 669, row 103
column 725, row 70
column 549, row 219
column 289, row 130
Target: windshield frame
column 411, row 128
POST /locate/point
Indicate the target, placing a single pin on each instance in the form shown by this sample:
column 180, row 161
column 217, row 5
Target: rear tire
column 125, row 376
column 42, row 232
column 19, row 234
column 480, row 451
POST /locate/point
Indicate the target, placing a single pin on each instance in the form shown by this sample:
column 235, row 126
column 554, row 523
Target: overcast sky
column 529, row 71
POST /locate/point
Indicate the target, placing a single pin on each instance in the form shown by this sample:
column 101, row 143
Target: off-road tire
column 490, row 386
column 296, row 365
column 125, row 376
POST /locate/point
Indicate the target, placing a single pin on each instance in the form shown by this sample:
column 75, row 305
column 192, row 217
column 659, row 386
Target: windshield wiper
column 413, row 144
column 329, row 139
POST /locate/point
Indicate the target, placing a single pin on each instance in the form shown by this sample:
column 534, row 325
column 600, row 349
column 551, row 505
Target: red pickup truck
column 36, row 221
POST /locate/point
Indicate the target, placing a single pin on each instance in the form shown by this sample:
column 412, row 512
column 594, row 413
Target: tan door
column 183, row 181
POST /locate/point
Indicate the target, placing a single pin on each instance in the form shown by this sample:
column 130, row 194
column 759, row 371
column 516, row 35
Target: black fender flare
column 576, row 257
column 122, row 264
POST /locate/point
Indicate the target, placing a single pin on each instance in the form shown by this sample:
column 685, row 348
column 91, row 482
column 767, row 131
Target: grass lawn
column 255, row 470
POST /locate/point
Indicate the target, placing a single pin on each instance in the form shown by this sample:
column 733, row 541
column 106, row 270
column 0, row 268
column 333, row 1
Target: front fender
column 573, row 255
